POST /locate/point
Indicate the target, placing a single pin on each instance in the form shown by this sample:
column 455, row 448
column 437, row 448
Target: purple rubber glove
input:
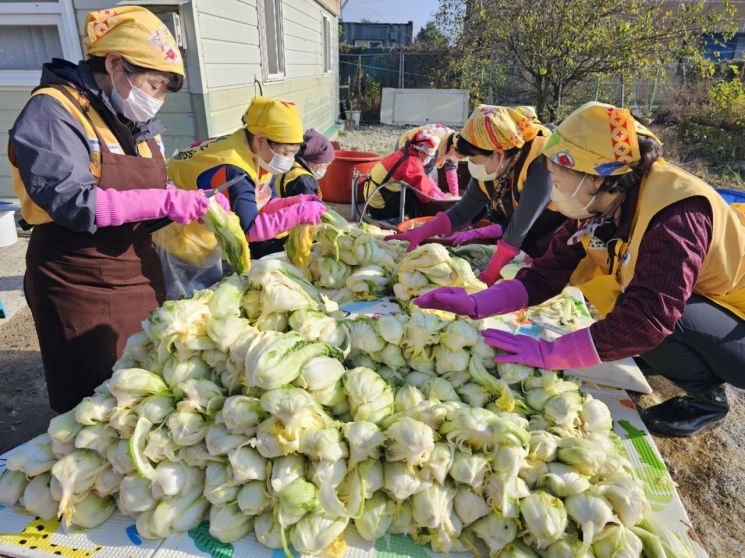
column 451, row 177
column 437, row 226
column 504, row 254
column 115, row 207
column 269, row 225
column 482, row 233
column 573, row 350
column 504, row 297
column 275, row 204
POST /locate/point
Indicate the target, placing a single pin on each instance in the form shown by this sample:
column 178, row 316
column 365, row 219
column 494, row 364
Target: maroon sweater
column 670, row 257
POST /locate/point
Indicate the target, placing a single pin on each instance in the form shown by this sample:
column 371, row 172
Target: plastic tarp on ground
column 22, row 535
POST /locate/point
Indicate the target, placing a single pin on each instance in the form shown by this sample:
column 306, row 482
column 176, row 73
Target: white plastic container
column 8, row 234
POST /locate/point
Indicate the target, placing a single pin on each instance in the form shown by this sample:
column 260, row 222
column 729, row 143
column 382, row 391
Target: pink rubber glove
column 482, row 233
column 504, row 297
column 437, row 226
column 501, row 258
column 269, row 225
column 275, row 204
column 223, row 200
column 451, row 176
column 574, row 350
column 115, row 207
column 438, row 194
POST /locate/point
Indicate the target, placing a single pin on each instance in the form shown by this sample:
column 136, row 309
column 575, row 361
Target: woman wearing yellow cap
column 509, row 179
column 87, row 164
column 658, row 252
column 265, row 146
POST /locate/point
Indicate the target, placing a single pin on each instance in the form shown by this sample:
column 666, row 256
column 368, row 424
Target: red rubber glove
column 504, row 297
column 501, row 258
column 437, row 226
column 482, row 233
column 573, row 350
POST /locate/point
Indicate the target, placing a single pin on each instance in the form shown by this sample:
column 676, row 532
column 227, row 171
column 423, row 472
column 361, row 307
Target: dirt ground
column 709, row 469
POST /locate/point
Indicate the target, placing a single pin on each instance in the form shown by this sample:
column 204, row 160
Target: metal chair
column 402, row 213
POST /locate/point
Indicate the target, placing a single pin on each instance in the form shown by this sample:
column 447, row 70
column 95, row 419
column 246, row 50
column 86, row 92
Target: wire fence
column 364, row 73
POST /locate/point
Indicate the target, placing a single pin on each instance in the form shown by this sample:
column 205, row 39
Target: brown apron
column 89, row 292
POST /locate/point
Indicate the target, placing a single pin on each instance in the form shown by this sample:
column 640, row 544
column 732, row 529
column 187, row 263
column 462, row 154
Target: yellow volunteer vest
column 91, row 123
column 536, row 150
column 442, row 132
column 284, row 180
column 377, row 175
column 722, row 275
column 186, row 165
column 194, row 243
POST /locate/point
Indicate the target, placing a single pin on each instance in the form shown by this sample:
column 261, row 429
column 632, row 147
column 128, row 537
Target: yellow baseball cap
column 493, row 127
column 137, row 35
column 597, row 139
column 277, row 120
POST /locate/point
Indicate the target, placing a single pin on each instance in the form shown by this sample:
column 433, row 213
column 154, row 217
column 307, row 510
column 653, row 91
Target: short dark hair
column 650, row 150
column 250, row 136
column 97, row 65
column 469, row 150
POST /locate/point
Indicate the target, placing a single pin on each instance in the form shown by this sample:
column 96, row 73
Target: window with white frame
column 32, row 33
column 326, row 32
column 273, row 53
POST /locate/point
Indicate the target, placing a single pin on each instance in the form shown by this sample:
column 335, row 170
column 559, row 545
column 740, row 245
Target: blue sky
column 391, row 11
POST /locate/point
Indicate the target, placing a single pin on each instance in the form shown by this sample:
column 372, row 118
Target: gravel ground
column 376, row 139
column 709, row 469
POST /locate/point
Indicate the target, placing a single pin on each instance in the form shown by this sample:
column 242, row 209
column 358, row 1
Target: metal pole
column 401, row 69
column 402, row 212
column 623, row 91
column 355, row 177
column 597, row 89
column 654, row 87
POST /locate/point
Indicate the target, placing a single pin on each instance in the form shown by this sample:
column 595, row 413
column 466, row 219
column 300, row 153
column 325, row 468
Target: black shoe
column 687, row 415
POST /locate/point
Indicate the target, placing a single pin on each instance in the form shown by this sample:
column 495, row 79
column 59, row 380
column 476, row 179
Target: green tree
column 430, row 36
column 549, row 47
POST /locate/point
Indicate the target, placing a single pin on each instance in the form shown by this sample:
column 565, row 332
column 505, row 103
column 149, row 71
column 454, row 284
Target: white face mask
column 138, row 106
column 479, row 171
column 569, row 205
column 427, row 161
column 319, row 172
column 279, row 163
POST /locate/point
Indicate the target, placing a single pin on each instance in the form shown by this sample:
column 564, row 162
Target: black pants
column 706, row 349
column 541, row 233
column 392, row 209
column 266, row 247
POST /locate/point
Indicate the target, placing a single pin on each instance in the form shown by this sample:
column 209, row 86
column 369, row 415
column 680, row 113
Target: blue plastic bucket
column 731, row 196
